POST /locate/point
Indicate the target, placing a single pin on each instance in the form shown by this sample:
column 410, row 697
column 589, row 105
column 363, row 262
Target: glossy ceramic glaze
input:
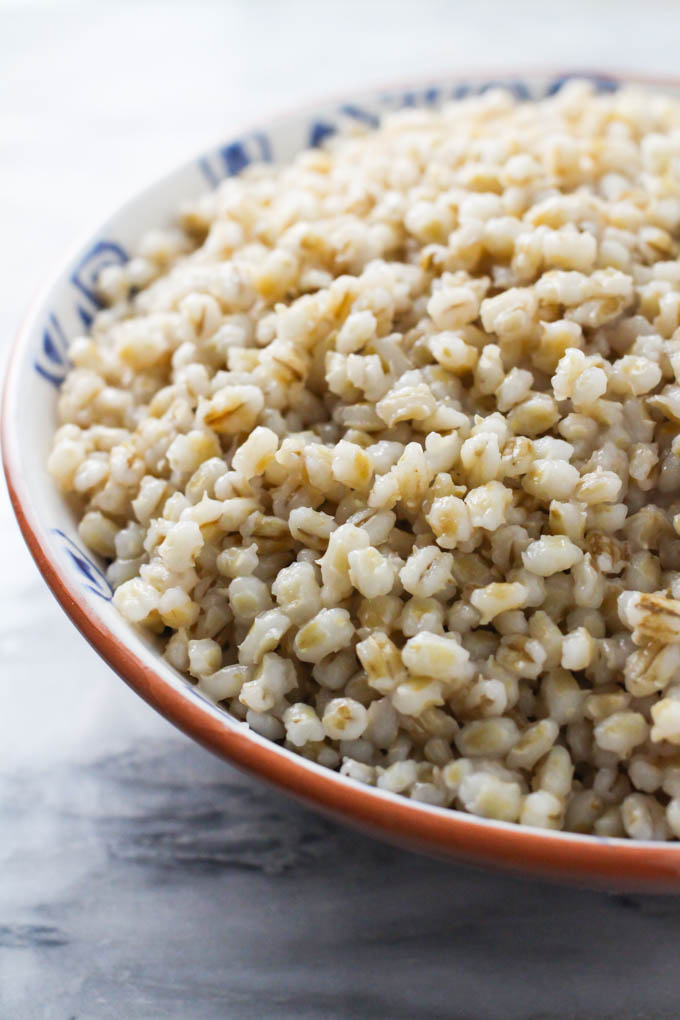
column 39, row 363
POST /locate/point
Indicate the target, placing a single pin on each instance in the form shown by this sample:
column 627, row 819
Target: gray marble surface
column 140, row 877
column 157, row 882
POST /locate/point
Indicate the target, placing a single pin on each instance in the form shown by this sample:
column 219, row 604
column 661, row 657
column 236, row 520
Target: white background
column 95, row 100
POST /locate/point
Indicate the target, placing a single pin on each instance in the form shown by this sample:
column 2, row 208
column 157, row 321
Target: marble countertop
column 139, row 876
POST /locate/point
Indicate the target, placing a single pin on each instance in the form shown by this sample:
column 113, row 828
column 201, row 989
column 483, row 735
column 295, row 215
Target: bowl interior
column 65, row 309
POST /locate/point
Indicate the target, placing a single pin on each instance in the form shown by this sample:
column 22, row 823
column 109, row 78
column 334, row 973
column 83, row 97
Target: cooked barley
column 383, row 446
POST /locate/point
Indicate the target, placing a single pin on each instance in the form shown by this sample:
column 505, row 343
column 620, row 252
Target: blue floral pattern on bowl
column 91, row 576
column 85, row 275
column 235, row 156
column 52, row 361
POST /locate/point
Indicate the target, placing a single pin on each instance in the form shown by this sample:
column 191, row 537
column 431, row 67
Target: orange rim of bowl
column 442, row 832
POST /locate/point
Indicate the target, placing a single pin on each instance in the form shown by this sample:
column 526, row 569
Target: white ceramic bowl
column 38, row 365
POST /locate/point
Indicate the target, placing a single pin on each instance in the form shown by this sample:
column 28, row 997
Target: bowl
column 38, row 364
